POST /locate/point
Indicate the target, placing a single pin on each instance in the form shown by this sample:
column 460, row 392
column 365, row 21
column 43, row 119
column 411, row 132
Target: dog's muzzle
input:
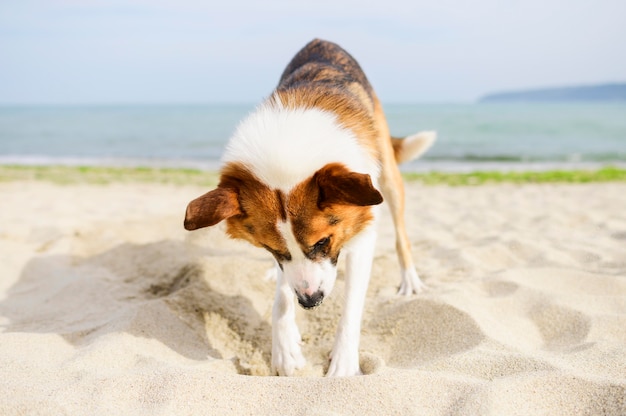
column 310, row 301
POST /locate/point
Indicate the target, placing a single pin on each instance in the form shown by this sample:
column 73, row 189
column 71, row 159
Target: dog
column 302, row 177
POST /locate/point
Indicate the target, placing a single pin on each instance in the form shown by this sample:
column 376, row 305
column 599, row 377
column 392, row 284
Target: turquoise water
column 195, row 134
column 519, row 132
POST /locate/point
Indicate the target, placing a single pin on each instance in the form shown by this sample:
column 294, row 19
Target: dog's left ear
column 338, row 185
column 211, row 208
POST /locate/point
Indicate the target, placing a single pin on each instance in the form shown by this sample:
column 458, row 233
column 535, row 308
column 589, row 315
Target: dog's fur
column 301, row 178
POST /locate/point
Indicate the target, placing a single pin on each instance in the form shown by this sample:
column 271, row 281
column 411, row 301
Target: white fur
column 284, row 146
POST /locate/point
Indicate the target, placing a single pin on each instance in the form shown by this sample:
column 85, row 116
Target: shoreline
column 419, row 166
column 467, row 175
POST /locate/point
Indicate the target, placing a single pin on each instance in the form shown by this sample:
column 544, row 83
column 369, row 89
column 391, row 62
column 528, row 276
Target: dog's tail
column 412, row 147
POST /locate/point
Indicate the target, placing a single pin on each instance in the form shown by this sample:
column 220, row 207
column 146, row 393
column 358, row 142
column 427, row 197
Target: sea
column 476, row 136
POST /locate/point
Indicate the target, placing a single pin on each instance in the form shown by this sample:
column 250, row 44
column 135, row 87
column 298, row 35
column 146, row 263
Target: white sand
column 107, row 306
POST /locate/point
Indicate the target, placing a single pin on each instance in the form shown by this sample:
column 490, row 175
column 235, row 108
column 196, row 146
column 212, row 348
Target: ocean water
column 475, row 136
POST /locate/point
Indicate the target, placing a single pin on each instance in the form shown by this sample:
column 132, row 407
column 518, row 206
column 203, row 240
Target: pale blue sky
column 195, row 51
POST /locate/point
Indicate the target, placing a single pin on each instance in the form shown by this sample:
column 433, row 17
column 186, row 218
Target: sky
column 203, row 51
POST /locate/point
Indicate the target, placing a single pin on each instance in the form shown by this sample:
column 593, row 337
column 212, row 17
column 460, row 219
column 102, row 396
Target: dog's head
column 304, row 228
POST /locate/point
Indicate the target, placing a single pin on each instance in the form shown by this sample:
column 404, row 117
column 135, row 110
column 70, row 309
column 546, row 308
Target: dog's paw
column 286, row 352
column 343, row 364
column 411, row 283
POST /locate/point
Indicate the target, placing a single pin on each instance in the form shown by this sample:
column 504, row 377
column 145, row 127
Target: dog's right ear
column 211, row 208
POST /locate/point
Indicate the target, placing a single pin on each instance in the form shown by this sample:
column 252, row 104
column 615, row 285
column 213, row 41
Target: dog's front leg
column 344, row 359
column 286, row 353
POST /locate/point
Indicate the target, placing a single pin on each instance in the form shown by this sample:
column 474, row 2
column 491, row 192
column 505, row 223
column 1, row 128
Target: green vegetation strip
column 66, row 175
column 606, row 174
column 106, row 175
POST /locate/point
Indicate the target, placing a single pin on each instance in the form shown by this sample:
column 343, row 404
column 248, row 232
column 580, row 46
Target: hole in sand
column 168, row 285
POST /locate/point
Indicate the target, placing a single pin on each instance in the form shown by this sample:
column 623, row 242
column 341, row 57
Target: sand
column 107, row 306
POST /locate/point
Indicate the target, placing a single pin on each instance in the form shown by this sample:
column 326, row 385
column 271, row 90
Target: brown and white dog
column 301, row 178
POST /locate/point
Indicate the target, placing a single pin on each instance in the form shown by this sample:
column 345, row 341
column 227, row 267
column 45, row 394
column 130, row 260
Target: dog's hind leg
column 392, row 188
column 392, row 152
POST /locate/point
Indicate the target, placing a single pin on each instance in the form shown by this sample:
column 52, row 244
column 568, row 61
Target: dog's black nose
column 311, row 301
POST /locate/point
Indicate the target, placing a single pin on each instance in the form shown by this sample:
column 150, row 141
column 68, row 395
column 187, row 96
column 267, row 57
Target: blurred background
column 165, row 82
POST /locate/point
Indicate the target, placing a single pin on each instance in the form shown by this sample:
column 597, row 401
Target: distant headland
column 604, row 92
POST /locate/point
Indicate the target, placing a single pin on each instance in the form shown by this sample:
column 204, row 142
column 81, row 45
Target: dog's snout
column 310, row 301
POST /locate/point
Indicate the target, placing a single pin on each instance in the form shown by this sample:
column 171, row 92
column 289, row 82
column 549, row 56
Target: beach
column 108, row 306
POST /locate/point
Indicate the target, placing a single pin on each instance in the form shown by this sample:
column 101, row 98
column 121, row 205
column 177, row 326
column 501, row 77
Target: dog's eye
column 319, row 249
column 323, row 242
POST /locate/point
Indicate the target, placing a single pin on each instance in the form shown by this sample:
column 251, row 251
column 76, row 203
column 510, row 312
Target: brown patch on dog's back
column 324, row 61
